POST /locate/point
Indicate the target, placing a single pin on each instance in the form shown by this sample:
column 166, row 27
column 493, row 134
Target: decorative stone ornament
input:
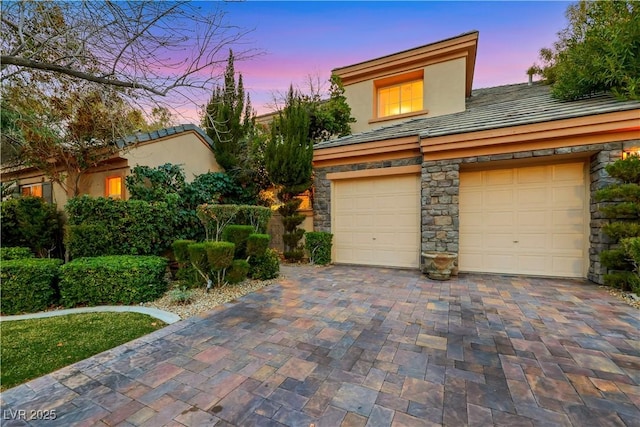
column 439, row 265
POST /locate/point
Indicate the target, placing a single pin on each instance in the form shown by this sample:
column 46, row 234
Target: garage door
column 529, row 220
column 376, row 221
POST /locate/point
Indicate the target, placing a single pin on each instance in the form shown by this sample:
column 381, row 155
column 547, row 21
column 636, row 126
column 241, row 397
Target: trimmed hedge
column 16, row 252
column 318, row 244
column 118, row 279
column 28, row 285
column 257, row 244
column 238, row 235
column 265, row 267
column 104, row 226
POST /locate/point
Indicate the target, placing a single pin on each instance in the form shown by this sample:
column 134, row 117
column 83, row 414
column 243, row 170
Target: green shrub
column 257, row 244
column 238, row 235
column 181, row 250
column 189, row 276
column 318, row 245
column 16, row 252
column 219, row 254
column 238, row 271
column 619, row 279
column 87, row 240
column 118, row 279
column 265, row 267
column 615, row 259
column 28, row 285
column 31, row 222
column 129, row 227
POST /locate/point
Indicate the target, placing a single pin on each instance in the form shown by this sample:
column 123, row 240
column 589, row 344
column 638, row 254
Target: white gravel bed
column 202, row 301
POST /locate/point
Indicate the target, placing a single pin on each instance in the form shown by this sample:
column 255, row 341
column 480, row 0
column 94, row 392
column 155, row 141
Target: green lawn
column 31, row 348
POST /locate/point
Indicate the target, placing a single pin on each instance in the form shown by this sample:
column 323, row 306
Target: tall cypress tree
column 228, row 119
column 289, row 151
column 288, row 157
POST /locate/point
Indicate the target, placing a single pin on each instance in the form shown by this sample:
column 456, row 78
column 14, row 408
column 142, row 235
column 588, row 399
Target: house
column 187, row 145
column 502, row 176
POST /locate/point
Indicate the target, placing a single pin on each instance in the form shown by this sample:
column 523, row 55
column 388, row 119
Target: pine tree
column 620, row 203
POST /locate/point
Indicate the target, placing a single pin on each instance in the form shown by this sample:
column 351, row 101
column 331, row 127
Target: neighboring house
column 186, row 145
column 502, row 176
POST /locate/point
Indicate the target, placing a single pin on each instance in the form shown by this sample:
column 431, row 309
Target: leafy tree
column 65, row 133
column 329, row 118
column 598, row 51
column 288, row 156
column 620, row 203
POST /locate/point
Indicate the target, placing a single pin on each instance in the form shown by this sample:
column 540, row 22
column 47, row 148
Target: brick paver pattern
column 357, row 346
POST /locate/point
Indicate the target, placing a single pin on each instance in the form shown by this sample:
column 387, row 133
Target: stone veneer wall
column 440, row 191
column 322, row 187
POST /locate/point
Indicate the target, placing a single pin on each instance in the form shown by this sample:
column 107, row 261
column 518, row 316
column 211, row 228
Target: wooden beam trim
column 365, row 173
column 474, row 151
column 392, row 69
column 552, row 129
column 425, row 52
column 378, row 150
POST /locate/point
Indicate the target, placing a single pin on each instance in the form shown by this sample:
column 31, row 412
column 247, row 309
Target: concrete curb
column 165, row 316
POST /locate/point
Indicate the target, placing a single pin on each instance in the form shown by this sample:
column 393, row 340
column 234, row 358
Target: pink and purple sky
column 303, row 39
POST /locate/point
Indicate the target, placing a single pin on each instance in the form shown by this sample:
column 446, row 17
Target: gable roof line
column 139, row 137
column 407, row 50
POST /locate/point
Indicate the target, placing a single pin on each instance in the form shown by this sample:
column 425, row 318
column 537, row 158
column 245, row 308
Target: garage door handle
column 515, row 241
column 374, row 238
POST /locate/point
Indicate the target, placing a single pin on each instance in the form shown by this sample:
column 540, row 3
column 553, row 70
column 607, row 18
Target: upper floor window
column 113, row 187
column 31, row 190
column 399, row 98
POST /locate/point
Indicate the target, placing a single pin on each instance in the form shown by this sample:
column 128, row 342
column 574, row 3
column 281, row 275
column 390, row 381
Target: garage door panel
column 498, row 219
column 498, row 240
column 532, row 196
column 567, row 242
column 532, row 175
column 570, row 196
column 500, row 197
column 529, row 220
column 383, row 221
column 499, row 177
column 568, row 172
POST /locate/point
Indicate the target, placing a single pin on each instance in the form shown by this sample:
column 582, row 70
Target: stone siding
column 441, row 184
column 440, row 195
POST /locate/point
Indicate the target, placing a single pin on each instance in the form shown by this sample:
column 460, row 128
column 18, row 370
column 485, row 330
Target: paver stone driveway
column 356, row 346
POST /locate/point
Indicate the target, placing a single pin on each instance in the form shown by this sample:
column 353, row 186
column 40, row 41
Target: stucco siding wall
column 187, row 150
column 444, row 87
column 444, row 93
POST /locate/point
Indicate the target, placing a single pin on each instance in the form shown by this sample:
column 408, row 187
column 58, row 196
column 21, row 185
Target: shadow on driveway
column 356, row 346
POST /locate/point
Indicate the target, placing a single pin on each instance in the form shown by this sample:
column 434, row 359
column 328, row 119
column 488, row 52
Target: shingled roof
column 493, row 108
column 157, row 134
